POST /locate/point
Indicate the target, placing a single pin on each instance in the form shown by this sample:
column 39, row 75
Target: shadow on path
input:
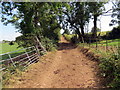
column 66, row 46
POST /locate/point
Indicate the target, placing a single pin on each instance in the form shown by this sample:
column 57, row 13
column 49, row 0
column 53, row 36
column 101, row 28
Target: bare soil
column 65, row 68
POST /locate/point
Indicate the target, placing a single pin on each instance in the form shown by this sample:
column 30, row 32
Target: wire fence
column 16, row 59
column 107, row 46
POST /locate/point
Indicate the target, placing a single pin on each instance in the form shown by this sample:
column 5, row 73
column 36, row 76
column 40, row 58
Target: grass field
column 68, row 37
column 5, row 47
column 113, row 42
column 102, row 33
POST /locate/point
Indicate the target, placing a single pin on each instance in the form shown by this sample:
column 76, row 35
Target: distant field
column 68, row 37
column 5, row 47
column 103, row 33
column 109, row 42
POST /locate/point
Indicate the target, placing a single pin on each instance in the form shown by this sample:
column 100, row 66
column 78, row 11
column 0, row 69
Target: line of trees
column 43, row 20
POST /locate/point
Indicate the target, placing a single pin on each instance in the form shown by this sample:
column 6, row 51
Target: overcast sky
column 9, row 32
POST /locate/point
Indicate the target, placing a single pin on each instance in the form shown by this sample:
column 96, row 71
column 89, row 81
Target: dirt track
column 65, row 68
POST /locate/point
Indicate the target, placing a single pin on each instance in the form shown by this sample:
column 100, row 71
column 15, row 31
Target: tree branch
column 107, row 11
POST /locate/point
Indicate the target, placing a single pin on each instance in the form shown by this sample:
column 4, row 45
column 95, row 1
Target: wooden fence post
column 106, row 45
column 96, row 43
column 89, row 41
column 11, row 60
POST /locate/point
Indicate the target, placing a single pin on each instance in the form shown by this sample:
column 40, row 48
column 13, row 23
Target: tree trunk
column 95, row 27
column 80, row 35
column 36, row 26
column 82, row 30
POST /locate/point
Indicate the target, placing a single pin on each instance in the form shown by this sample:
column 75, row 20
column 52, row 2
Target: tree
column 114, row 34
column 96, row 9
column 5, row 41
column 66, row 31
column 116, row 13
column 35, row 19
column 97, row 29
column 76, row 17
column 11, row 43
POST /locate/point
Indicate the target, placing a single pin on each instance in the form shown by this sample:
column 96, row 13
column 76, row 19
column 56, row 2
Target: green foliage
column 68, row 37
column 96, row 9
column 48, row 44
column 110, row 67
column 33, row 19
column 25, row 40
column 11, row 43
column 102, row 33
column 114, row 34
column 77, row 16
column 53, row 34
column 8, row 76
column 115, row 13
column 66, row 31
column 109, row 63
column 58, row 34
column 5, row 41
column 72, row 37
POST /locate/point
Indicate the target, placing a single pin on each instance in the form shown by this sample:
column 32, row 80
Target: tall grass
column 8, row 78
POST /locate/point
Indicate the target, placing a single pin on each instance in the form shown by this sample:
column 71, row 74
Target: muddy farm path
column 65, row 68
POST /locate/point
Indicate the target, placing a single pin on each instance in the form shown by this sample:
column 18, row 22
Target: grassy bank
column 109, row 62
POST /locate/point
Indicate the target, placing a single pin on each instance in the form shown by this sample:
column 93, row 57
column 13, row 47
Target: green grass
column 102, row 33
column 113, row 42
column 5, row 47
column 109, row 64
column 68, row 37
column 112, row 46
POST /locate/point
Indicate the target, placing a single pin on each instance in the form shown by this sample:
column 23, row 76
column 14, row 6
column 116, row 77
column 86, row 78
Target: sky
column 9, row 32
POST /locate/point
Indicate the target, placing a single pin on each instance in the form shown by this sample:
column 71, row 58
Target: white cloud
column 105, row 20
column 9, row 37
column 8, row 32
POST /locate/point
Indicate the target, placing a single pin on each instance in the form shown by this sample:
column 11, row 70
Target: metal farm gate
column 18, row 59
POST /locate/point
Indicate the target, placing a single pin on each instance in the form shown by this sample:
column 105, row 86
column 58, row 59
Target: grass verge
column 109, row 64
